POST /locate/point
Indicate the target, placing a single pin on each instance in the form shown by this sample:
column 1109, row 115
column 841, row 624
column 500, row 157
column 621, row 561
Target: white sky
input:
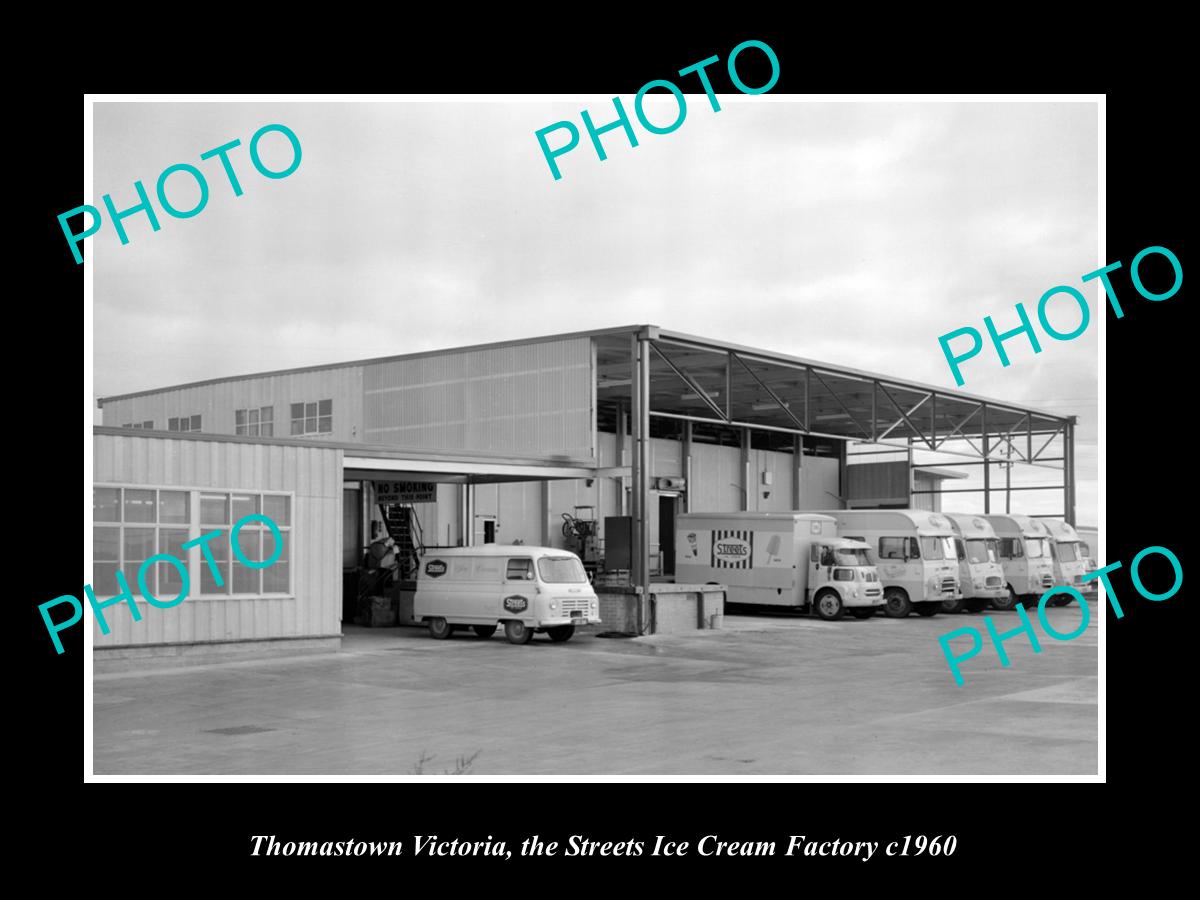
column 849, row 233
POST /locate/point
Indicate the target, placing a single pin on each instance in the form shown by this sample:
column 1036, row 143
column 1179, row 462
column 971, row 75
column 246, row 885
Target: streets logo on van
column 732, row 550
column 516, row 603
column 435, row 568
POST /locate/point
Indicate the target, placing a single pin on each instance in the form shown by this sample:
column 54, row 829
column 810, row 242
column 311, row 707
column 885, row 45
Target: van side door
column 520, row 586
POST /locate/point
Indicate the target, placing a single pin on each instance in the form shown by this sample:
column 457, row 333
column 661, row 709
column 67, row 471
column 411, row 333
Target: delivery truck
column 1025, row 557
column 525, row 589
column 789, row 559
column 980, row 574
column 914, row 552
column 1070, row 561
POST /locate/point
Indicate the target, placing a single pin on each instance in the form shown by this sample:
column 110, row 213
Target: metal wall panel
column 217, row 403
column 529, row 400
column 312, row 474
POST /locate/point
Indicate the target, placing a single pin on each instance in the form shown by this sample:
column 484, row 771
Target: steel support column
column 1069, row 472
column 687, row 467
column 746, row 480
column 987, row 466
column 640, row 395
column 797, row 469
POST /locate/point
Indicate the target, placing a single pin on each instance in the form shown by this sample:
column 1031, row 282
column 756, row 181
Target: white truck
column 1025, row 557
column 786, row 559
column 979, row 571
column 1070, row 561
column 914, row 552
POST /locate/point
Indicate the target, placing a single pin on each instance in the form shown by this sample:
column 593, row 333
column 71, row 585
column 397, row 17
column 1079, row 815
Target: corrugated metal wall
column 313, row 474
column 530, row 400
column 879, row 483
column 217, row 403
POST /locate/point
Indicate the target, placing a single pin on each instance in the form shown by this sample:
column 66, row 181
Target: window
column 1010, row 548
column 1036, row 548
column 131, row 524
column 183, row 423
column 898, row 548
column 312, row 418
column 846, row 556
column 843, row 574
column 519, row 570
column 256, row 422
column 148, row 424
column 561, row 570
column 981, row 551
column 938, row 547
column 1068, row 551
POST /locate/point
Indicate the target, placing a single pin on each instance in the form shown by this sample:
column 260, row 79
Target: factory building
column 511, row 442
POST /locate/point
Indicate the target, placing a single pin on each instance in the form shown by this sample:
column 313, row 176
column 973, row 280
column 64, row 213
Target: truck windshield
column 938, row 548
column 561, row 570
column 852, row 557
column 1068, row 551
column 1035, row 548
column 981, row 551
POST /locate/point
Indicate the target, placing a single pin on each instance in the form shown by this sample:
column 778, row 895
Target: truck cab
column 1025, row 556
column 979, row 569
column 843, row 567
column 1070, row 561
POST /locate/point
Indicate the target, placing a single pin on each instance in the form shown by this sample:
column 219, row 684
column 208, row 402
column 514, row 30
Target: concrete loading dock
column 634, row 421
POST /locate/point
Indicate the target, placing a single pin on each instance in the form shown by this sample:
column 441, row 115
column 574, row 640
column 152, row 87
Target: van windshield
column 1036, row 548
column 981, row 551
column 1068, row 551
column 561, row 570
column 852, row 557
column 938, row 547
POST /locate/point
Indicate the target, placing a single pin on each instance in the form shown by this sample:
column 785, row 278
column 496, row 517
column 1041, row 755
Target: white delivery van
column 1025, row 557
column 525, row 589
column 980, row 574
column 914, row 553
column 1070, row 561
column 778, row 559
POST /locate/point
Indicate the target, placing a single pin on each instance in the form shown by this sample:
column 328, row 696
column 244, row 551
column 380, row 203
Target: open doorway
column 667, row 506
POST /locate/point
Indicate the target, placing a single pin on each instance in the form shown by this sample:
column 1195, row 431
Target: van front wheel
column 560, row 633
column 896, row 604
column 518, row 632
column 1005, row 603
column 828, row 605
column 440, row 629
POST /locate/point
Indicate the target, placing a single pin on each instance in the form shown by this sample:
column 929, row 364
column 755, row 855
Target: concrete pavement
column 767, row 695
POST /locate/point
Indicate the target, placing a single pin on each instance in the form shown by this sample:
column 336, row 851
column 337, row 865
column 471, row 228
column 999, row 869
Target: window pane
column 297, row 410
column 139, row 506
column 252, row 430
column 268, row 429
column 104, row 580
column 106, row 543
column 297, row 426
column 239, row 417
column 219, row 546
column 252, row 416
column 195, row 423
column 325, row 425
column 139, row 544
column 277, row 509
column 106, row 505
column 172, row 424
column 325, row 408
column 214, row 509
column 149, row 423
column 245, row 580
column 310, row 425
column 275, row 579
column 240, row 429
column 249, row 542
column 268, row 414
column 268, row 547
column 310, row 410
column 173, row 506
column 171, row 541
column 244, row 505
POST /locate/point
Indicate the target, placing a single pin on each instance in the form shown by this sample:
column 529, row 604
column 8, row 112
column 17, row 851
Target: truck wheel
column 560, row 633
column 953, row 606
column 440, row 629
column 518, row 632
column 484, row 631
column 976, row 605
column 1004, row 603
column 930, row 608
column 862, row 612
column 828, row 606
column 896, row 604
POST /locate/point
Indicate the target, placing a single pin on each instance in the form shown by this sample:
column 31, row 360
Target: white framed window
column 255, row 422
column 183, row 423
column 148, row 424
column 131, row 523
column 312, row 418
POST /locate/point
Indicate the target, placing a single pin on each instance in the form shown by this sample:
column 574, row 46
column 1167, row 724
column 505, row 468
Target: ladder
column 403, row 527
